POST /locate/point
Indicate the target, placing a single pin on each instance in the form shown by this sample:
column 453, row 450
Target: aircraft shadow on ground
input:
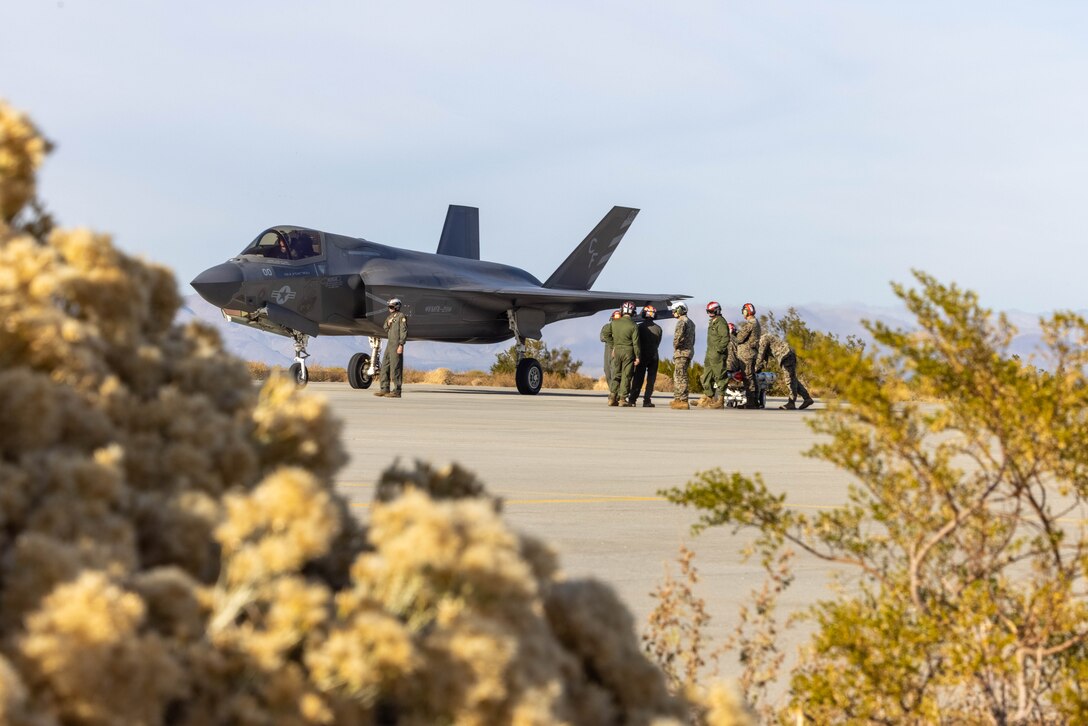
column 493, row 392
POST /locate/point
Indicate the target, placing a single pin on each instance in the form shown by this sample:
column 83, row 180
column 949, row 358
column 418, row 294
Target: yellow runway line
column 572, row 500
column 585, row 500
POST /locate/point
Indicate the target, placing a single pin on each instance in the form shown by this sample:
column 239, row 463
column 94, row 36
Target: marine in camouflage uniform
column 748, row 335
column 714, row 364
column 396, row 332
column 772, row 345
column 625, row 351
column 732, row 362
column 683, row 347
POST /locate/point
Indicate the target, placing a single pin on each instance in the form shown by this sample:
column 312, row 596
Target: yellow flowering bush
column 173, row 550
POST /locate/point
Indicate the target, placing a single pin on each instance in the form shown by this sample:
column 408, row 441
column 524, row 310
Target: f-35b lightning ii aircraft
column 301, row 282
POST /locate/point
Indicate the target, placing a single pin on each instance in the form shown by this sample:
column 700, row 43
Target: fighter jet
column 302, row 283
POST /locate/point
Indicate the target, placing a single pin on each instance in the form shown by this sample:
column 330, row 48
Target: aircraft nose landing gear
column 298, row 368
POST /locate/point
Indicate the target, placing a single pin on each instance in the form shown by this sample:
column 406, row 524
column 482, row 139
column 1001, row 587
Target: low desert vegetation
column 446, row 377
column 558, row 361
column 666, row 369
column 259, row 371
column 173, row 548
column 439, row 376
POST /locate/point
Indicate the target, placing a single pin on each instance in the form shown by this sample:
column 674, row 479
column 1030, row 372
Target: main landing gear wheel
column 529, row 376
column 300, row 374
column 358, row 377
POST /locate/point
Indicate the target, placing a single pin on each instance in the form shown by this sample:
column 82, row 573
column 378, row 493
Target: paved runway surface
column 585, row 477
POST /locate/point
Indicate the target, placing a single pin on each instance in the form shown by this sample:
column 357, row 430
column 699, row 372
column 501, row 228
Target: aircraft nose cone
column 219, row 284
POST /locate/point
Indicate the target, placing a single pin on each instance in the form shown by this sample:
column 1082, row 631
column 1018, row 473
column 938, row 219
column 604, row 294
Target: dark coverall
column 396, row 330
column 625, row 349
column 717, row 351
column 649, row 340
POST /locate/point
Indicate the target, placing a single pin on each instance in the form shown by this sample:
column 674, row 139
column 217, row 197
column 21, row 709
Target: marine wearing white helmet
column 683, row 347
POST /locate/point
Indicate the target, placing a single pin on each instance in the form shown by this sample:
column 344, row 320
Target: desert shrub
column 259, row 371
column 327, row 374
column 173, row 548
column 678, row 639
column 22, row 150
column 558, row 361
column 574, row 381
column 792, row 329
column 439, row 376
column 665, row 370
column 962, row 542
column 445, row 377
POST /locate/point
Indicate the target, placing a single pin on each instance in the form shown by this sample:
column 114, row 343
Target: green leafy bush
column 962, row 538
column 559, row 361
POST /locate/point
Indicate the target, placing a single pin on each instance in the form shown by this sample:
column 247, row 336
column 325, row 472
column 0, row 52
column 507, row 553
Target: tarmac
column 586, row 478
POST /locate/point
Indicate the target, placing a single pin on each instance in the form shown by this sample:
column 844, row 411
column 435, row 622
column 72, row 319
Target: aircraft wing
column 575, row 303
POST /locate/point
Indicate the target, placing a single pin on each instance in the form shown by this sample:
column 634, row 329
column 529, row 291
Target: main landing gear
column 363, row 367
column 529, row 375
column 298, row 368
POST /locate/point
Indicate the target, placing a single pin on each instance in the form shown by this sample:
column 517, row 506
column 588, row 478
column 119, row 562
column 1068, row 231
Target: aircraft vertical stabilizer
column 581, row 268
column 461, row 233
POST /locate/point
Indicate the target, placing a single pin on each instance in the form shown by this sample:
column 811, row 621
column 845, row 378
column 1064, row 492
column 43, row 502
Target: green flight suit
column 625, row 349
column 717, row 351
column 606, row 338
column 392, row 374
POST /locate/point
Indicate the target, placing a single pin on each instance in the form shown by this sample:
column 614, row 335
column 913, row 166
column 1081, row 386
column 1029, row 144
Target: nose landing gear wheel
column 299, row 374
column 357, row 371
column 529, row 376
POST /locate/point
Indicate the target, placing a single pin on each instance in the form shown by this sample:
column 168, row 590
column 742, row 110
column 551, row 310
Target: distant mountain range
column 581, row 336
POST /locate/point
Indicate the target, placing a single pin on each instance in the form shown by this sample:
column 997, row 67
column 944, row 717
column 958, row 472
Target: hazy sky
column 780, row 152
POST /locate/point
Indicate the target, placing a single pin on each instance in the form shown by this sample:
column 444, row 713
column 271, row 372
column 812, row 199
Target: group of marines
column 737, row 353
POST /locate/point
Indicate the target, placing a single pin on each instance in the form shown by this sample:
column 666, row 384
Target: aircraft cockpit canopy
column 286, row 243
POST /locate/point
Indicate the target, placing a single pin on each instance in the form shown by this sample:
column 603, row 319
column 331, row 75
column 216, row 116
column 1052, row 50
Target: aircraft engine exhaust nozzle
column 219, row 284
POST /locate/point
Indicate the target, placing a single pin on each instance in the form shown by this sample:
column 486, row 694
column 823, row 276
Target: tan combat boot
column 717, row 402
column 680, row 405
column 612, row 400
column 703, row 402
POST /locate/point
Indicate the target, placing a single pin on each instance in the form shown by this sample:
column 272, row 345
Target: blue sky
column 783, row 153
